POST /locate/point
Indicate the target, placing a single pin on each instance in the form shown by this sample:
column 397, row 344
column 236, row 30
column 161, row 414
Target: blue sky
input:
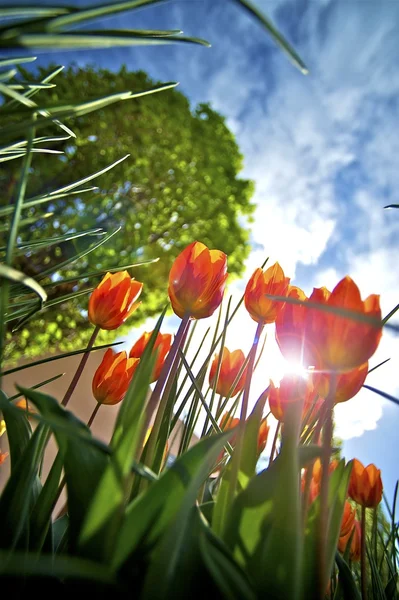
column 322, row 150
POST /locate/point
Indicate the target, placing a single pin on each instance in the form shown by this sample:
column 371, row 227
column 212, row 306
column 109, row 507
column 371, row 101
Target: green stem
column 80, row 368
column 325, row 478
column 363, row 573
column 218, row 368
column 93, row 414
column 273, row 450
column 163, row 386
column 20, row 196
column 236, row 460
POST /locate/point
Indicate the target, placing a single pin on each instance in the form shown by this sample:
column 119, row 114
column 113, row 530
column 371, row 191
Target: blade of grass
column 58, row 357
column 97, row 11
column 275, row 34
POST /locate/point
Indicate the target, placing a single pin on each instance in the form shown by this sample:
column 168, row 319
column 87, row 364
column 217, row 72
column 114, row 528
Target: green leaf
column 38, row 385
column 15, row 276
column 105, row 512
column 4, row 62
column 94, row 39
column 164, row 431
column 21, row 564
column 227, row 574
column 376, row 582
column 95, row 12
column 381, row 393
column 58, row 357
column 337, row 495
column 250, row 454
column 40, row 519
column 308, row 454
column 275, row 34
column 78, row 110
column 84, row 463
column 67, row 188
column 19, row 430
column 251, row 514
column 391, row 592
column 346, row 580
column 75, row 257
column 172, row 496
column 26, row 11
column 173, row 557
column 20, row 492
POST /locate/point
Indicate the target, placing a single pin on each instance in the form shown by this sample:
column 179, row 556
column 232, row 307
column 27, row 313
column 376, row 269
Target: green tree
column 180, row 183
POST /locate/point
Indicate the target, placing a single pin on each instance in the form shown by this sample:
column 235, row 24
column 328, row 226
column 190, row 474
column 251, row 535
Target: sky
column 322, row 150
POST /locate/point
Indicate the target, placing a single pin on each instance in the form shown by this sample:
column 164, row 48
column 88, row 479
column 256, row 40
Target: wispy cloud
column 321, row 149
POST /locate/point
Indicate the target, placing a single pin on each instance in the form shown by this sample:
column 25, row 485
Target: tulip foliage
column 253, row 501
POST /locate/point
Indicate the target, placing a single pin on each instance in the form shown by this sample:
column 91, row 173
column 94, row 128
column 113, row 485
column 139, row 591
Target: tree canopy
column 180, row 183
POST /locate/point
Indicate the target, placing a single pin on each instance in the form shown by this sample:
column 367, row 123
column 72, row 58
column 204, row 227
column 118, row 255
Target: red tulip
column 293, row 388
column 271, row 281
column 339, row 342
column 161, row 347
column 197, row 280
column 114, row 300
column 365, row 484
column 290, row 328
column 230, row 367
column 263, row 435
column 113, row 376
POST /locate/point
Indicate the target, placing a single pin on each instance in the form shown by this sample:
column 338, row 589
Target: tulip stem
column 93, row 414
column 363, row 575
column 274, row 445
column 80, row 368
column 164, row 384
column 325, row 464
column 236, row 459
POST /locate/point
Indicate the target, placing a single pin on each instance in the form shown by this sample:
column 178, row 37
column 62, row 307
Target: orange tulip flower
column 338, row 342
column 350, row 383
column 317, row 469
column 314, row 489
column 162, row 346
column 347, row 523
column 292, row 389
column 273, row 282
column 228, row 422
column 355, row 547
column 315, row 481
column 197, row 280
column 23, row 404
column 114, row 300
column 230, row 366
column 290, row 328
column 113, row 376
column 3, row 456
column 263, row 435
column 365, row 484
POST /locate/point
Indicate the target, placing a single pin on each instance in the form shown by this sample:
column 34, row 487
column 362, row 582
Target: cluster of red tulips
column 331, row 334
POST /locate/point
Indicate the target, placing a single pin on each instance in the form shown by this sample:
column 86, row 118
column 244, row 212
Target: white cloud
column 322, row 149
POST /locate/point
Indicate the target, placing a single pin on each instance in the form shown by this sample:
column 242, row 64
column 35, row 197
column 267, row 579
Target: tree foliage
column 180, row 183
